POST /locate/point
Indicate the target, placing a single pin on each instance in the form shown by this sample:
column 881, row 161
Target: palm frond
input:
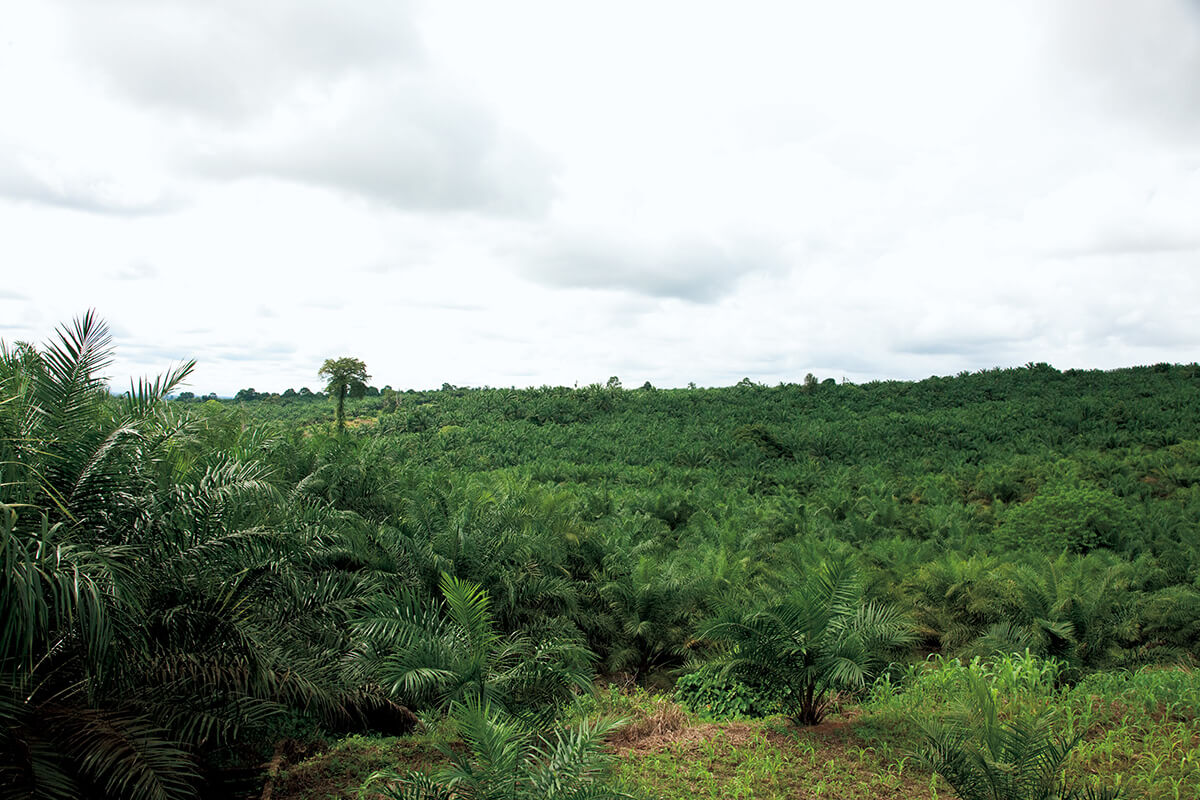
column 145, row 395
column 469, row 607
column 125, row 754
column 71, row 375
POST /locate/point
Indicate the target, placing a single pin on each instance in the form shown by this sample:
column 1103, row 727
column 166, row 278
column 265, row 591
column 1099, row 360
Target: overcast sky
column 551, row 192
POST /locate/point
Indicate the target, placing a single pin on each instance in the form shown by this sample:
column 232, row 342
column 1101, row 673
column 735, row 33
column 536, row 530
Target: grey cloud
column 417, row 145
column 1133, row 244
column 444, row 302
column 970, row 330
column 9, row 294
column 698, row 269
column 230, row 60
column 1152, row 335
column 951, row 345
column 414, row 254
column 27, row 180
column 323, row 93
column 1142, row 327
column 248, row 355
column 206, row 354
column 1138, row 58
column 324, row 305
column 382, row 267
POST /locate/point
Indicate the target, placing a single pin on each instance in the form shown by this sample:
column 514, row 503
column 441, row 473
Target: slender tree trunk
column 341, row 408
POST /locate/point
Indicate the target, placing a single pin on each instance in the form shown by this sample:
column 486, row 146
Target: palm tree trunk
column 811, row 707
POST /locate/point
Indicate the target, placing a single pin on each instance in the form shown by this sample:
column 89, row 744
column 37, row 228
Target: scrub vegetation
column 983, row 586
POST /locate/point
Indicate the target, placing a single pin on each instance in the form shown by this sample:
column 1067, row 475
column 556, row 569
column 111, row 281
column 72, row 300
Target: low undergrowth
column 1140, row 731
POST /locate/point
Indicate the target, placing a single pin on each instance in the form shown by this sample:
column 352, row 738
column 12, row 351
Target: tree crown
column 347, row 372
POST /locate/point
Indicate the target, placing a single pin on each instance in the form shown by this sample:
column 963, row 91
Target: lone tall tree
column 346, row 376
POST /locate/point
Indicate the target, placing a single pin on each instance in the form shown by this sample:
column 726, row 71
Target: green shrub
column 715, row 694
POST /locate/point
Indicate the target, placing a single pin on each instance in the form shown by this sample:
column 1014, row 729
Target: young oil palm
column 820, row 638
column 452, row 653
column 505, row 760
column 984, row 757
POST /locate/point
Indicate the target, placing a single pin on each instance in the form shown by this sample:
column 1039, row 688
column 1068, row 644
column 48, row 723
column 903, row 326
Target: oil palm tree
column 66, row 493
column 820, row 638
column 149, row 614
column 1077, row 609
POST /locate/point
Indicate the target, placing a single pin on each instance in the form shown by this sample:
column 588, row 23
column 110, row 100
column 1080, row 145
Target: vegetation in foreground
column 195, row 590
column 1133, row 732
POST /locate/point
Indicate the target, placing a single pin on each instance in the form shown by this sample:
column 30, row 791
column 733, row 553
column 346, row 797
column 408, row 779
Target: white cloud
column 137, row 271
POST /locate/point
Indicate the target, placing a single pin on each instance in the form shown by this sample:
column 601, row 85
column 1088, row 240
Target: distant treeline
column 286, row 396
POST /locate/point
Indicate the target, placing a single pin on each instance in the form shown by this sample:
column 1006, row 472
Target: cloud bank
column 537, row 192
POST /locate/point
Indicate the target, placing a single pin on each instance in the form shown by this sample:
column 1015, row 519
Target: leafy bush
column 1009, row 482
column 713, row 693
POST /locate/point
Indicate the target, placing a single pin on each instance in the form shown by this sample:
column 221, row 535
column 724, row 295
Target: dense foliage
column 166, row 601
column 1004, row 509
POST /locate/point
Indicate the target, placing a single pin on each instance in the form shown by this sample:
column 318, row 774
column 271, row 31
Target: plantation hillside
column 887, row 589
column 990, row 477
